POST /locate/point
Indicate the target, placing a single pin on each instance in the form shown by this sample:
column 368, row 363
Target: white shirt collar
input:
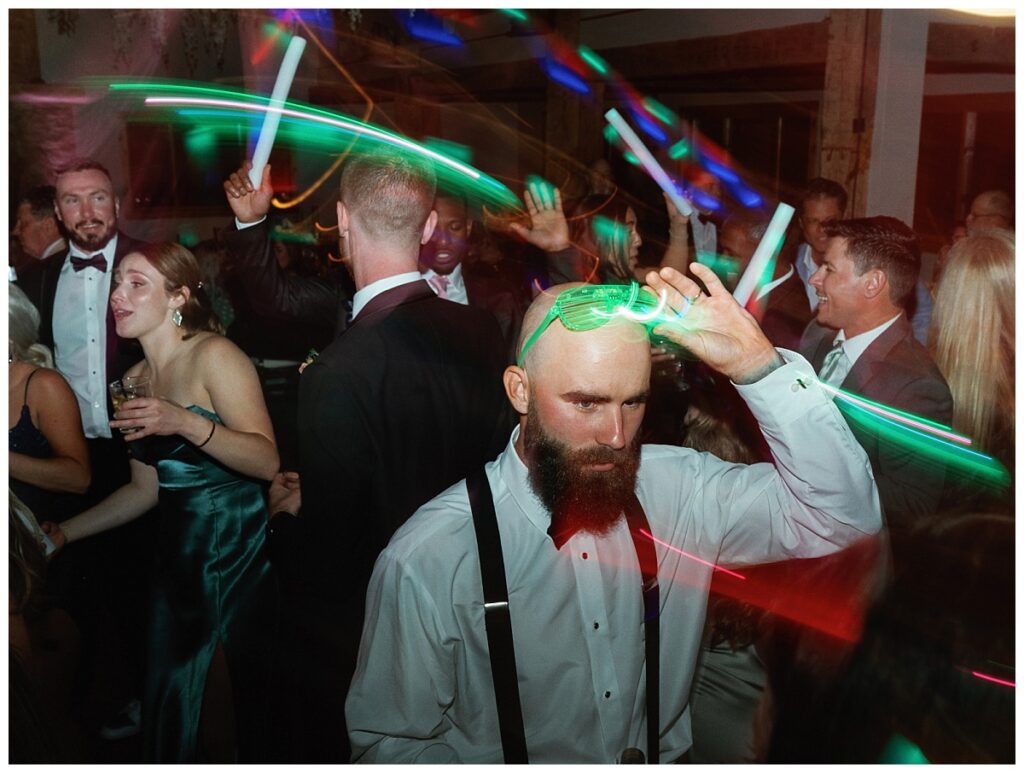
column 372, row 290
column 454, row 278
column 775, row 283
column 855, row 347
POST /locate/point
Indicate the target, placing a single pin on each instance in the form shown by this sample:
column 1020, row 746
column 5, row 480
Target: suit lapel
column 873, row 358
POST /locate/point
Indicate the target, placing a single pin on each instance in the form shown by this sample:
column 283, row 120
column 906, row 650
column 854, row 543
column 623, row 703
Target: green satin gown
column 213, row 585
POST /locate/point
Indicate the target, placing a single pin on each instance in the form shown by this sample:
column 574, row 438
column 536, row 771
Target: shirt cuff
column 785, row 394
column 242, row 226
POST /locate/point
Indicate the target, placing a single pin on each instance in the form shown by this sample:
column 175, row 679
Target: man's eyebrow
column 579, row 397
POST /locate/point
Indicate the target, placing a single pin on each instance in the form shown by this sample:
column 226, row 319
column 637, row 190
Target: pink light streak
column 988, row 678
column 691, row 557
column 896, row 417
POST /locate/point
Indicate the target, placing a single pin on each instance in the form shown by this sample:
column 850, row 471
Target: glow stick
column 268, row 132
column 647, row 160
column 770, row 243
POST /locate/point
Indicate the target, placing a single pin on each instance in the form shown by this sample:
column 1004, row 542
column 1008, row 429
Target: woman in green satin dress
column 202, row 447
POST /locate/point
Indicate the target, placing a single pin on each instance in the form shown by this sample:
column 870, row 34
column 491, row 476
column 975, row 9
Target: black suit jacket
column 40, row 285
column 400, row 407
column 489, row 291
column 897, row 371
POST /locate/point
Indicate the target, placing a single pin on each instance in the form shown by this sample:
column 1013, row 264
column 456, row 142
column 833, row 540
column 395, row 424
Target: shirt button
column 596, row 625
column 584, row 556
column 607, row 694
column 795, row 388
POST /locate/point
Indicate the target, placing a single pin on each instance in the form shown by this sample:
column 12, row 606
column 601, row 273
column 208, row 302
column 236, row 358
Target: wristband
column 213, row 427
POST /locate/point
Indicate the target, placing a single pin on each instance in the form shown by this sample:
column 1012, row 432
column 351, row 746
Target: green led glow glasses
column 590, row 306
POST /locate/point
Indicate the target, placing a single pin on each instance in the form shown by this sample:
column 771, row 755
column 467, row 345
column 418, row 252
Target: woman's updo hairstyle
column 180, row 269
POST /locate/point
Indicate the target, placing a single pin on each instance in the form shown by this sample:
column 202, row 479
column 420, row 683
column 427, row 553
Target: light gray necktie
column 836, row 365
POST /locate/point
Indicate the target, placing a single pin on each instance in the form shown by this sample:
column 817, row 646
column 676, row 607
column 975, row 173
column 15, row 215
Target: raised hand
column 548, row 229
column 713, row 327
column 248, row 203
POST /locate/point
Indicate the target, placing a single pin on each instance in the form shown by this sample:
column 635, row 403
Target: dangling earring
column 176, row 317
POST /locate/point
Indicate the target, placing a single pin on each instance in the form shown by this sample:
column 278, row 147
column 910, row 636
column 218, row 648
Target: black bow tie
column 96, row 261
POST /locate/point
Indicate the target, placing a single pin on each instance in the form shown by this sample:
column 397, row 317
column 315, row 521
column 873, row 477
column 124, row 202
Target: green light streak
column 609, row 230
column 515, row 13
column 659, row 111
column 321, row 124
column 611, row 134
column 928, row 447
column 628, row 155
column 680, row 149
column 543, row 191
column 599, row 65
column 462, row 153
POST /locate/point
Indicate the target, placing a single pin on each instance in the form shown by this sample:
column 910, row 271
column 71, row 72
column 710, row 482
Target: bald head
column 991, row 209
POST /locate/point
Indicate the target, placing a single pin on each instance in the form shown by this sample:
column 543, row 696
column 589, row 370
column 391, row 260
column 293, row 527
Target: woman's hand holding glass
column 144, row 416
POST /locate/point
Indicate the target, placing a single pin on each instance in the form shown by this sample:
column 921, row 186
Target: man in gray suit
column 863, row 343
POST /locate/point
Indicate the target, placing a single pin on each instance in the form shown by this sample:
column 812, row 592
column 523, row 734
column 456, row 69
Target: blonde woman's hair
column 23, row 330
column 972, row 335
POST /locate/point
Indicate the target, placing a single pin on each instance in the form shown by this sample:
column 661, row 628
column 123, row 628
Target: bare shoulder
column 48, row 383
column 213, row 350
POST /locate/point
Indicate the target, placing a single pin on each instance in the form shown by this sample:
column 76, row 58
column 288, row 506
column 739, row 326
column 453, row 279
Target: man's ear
column 342, row 219
column 428, row 227
column 469, row 226
column 56, row 211
column 117, row 207
column 875, row 283
column 517, row 388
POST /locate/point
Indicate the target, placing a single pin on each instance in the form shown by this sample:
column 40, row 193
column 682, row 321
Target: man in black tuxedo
column 103, row 580
column 863, row 343
column 403, row 403
column 443, row 265
column 71, row 289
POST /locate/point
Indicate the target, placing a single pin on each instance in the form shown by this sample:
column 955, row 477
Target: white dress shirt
column 805, row 266
column 705, row 239
column 372, row 290
column 855, row 347
column 423, row 692
column 80, row 336
column 456, row 289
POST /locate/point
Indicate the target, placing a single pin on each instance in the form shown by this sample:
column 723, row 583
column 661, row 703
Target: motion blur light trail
column 244, row 106
column 692, row 557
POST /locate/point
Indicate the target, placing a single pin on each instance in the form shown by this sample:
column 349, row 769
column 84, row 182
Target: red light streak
column 265, row 49
column 694, row 558
column 988, row 678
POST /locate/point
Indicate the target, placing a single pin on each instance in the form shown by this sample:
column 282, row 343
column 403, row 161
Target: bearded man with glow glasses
column 562, row 491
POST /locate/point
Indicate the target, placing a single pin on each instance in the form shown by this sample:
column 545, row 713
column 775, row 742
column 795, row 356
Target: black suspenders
column 499, row 624
column 496, row 618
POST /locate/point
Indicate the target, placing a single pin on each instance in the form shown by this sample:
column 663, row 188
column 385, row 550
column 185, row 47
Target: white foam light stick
column 769, row 246
column 644, row 155
column 268, row 132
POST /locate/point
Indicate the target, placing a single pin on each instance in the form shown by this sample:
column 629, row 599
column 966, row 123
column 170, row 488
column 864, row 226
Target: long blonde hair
column 23, row 330
column 972, row 335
